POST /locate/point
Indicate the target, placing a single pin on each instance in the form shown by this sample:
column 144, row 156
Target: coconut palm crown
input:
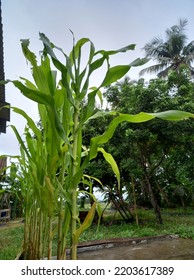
column 172, row 53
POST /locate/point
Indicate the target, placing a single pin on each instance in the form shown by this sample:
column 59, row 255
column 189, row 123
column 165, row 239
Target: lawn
column 176, row 221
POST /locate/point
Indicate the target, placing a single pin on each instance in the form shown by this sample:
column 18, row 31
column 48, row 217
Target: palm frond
column 152, row 69
column 182, row 24
column 178, row 29
column 153, row 48
column 189, row 49
column 164, row 73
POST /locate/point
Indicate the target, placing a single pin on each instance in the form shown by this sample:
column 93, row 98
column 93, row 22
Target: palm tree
column 172, row 53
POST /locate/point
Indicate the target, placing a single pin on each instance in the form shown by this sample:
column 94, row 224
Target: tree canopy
column 157, row 156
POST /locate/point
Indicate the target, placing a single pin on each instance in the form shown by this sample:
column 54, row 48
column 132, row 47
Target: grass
column 176, row 221
column 10, row 242
column 179, row 222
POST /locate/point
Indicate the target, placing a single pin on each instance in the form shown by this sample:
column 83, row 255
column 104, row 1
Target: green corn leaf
column 86, row 223
column 49, row 186
column 88, row 193
column 138, row 118
column 96, row 64
column 30, row 122
column 99, row 93
column 101, row 114
column 48, row 101
column 173, row 115
column 46, row 76
column 39, row 72
column 66, row 71
column 109, row 158
column 90, row 105
column 130, row 47
column 30, row 144
column 139, row 62
column 92, row 52
column 21, row 142
column 59, row 97
column 84, row 74
column 28, row 83
column 100, row 212
column 105, row 55
column 77, row 177
column 34, row 95
column 30, row 56
column 93, row 178
column 2, row 82
column 67, row 220
column 48, row 45
column 114, row 74
column 75, row 54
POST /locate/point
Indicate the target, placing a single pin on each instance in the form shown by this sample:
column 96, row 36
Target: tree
column 157, row 154
column 171, row 53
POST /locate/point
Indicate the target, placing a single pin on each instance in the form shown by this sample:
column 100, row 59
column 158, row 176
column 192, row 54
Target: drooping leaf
column 139, row 62
column 138, row 118
column 29, row 84
column 30, row 56
column 21, row 142
column 29, row 120
column 34, row 95
column 86, row 223
column 109, row 158
column 93, row 178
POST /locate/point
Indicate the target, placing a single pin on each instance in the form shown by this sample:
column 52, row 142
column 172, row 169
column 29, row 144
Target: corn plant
column 53, row 159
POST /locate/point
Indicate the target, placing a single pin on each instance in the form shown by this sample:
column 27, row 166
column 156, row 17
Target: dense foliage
column 157, row 156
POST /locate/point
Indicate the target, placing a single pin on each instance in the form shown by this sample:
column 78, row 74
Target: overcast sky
column 110, row 24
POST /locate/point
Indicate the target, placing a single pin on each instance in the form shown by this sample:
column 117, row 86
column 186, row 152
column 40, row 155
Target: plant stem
column 50, row 239
column 74, row 187
column 59, row 247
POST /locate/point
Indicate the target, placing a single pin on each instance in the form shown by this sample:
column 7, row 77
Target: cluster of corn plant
column 53, row 159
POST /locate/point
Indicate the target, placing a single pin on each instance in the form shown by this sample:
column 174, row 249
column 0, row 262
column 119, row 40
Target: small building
column 4, row 112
